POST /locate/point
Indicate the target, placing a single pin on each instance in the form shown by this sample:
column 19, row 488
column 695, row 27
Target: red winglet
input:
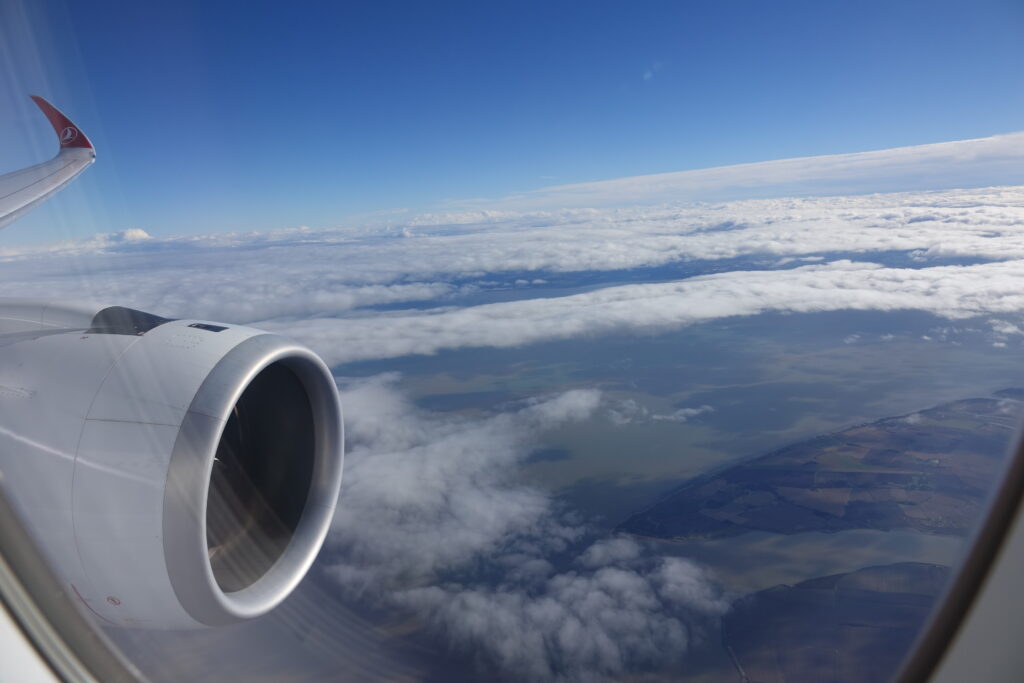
column 68, row 133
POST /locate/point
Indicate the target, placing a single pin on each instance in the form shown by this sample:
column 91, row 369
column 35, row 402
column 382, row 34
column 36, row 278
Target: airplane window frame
column 74, row 647
column 1005, row 507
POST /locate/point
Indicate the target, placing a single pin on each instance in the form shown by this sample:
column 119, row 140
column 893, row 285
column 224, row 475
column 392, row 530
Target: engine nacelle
column 177, row 473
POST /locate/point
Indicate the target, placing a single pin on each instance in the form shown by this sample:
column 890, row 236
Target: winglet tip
column 68, row 134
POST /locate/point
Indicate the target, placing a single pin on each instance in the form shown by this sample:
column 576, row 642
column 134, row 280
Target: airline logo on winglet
column 67, row 132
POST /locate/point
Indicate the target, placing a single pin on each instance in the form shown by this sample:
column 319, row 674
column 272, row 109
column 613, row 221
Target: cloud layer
column 949, row 291
column 507, row 278
column 963, row 163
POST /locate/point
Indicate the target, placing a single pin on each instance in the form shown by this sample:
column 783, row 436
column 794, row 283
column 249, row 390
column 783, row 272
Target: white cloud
column 1004, row 328
column 629, row 411
column 423, row 495
column 683, row 414
column 305, row 273
column 264, row 275
column 328, row 287
column 580, row 626
column 965, row 163
column 432, row 521
column 610, row 551
column 949, row 291
column 626, row 411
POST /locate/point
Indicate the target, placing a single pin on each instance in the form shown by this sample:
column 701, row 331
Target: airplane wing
column 21, row 190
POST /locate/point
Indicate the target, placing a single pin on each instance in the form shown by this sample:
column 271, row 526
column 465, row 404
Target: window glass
column 674, row 341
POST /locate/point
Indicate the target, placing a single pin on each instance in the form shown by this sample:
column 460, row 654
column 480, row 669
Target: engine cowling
column 178, row 473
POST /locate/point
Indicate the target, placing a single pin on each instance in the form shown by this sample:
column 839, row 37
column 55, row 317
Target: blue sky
column 230, row 116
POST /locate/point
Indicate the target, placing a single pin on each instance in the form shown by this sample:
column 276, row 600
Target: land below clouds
column 929, row 471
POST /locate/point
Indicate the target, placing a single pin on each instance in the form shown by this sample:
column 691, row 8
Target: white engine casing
column 108, row 442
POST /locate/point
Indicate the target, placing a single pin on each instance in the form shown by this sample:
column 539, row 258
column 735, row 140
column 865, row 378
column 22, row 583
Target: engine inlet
column 261, row 478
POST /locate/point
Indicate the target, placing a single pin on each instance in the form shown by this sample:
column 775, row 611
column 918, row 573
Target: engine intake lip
column 191, row 465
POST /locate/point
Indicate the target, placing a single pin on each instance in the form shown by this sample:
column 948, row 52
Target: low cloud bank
column 433, row 522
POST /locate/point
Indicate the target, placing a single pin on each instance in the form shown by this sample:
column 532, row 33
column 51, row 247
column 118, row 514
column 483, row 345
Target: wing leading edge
column 22, row 190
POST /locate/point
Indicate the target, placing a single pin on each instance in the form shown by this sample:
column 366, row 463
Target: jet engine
column 177, row 473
